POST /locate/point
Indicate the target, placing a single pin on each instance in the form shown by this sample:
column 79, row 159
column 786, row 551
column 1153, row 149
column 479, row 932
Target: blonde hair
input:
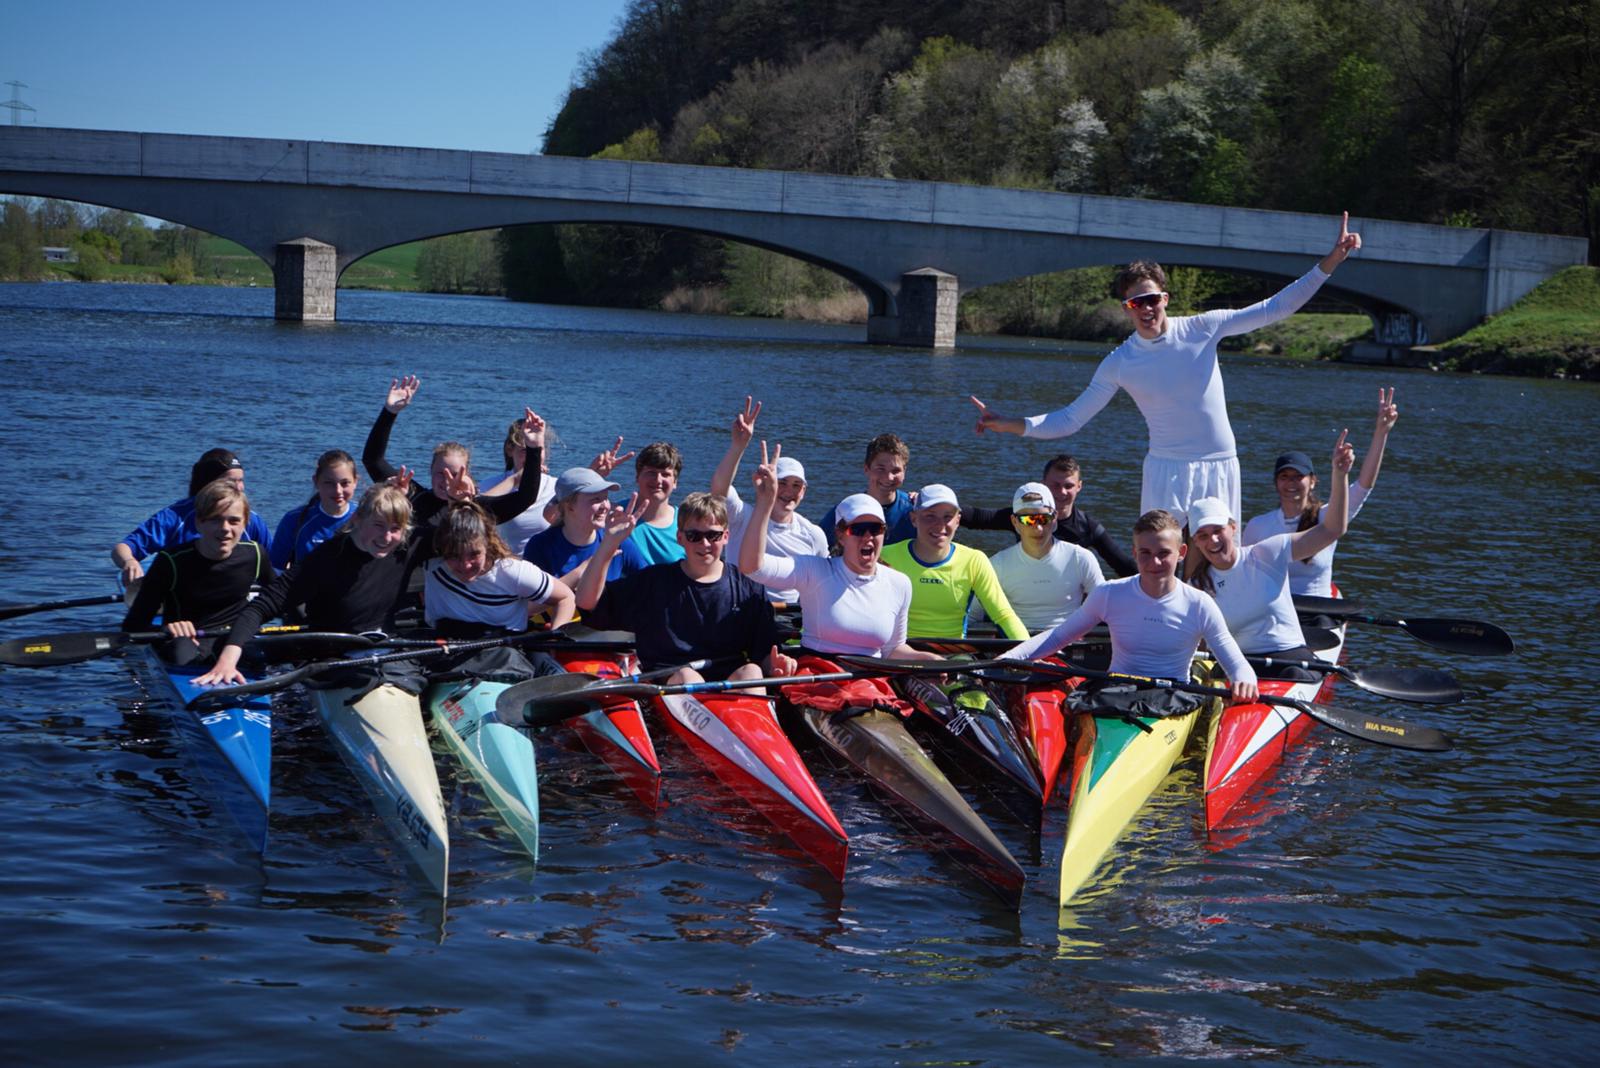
column 215, row 496
column 1155, row 521
column 384, row 501
column 703, row 506
column 452, row 448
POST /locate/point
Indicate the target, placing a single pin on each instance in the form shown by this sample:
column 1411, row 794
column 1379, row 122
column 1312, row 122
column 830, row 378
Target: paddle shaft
column 1368, row 728
column 1469, row 637
column 54, row 650
column 12, row 611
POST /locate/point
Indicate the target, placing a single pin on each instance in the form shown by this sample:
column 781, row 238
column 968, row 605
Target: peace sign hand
column 532, row 430
column 1344, row 454
column 1388, row 413
column 401, row 479
column 766, row 475
column 621, row 519
column 401, row 390
column 744, row 423
column 608, row 460
column 458, row 485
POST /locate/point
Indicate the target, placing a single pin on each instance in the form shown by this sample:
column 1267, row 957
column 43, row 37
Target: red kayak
column 615, row 732
column 737, row 736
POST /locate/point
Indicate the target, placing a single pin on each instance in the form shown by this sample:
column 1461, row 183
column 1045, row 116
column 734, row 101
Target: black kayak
column 877, row 745
column 971, row 725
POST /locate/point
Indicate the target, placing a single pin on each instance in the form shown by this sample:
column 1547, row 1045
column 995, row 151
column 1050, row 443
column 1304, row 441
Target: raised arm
column 1388, row 415
column 743, row 430
column 1292, row 297
column 1069, row 630
column 1241, row 675
column 1345, row 244
column 510, row 505
column 620, row 522
column 374, row 454
column 1336, row 514
column 754, row 548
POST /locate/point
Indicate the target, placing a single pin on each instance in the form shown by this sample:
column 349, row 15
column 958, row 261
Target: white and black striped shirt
column 497, row 598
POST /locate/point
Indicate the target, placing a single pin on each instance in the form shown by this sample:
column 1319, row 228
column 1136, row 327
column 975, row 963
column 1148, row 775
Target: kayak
column 737, row 736
column 971, row 725
column 497, row 756
column 876, row 744
column 615, row 732
column 1247, row 741
column 382, row 739
column 1041, row 718
column 231, row 748
column 1116, row 766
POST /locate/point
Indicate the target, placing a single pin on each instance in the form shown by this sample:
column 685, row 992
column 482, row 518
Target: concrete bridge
column 312, row 208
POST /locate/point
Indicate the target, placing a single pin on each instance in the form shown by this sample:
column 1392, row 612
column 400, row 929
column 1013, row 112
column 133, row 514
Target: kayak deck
column 231, row 748
column 615, row 732
column 383, row 741
column 500, row 758
column 738, row 738
column 966, row 721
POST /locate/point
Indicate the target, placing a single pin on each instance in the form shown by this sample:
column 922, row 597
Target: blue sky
column 484, row 75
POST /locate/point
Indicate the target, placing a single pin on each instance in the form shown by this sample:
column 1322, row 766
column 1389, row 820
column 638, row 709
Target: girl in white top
column 1251, row 583
column 1300, row 509
column 1156, row 622
column 850, row 604
column 1169, row 367
column 788, row 532
column 1044, row 578
column 516, row 531
column 475, row 584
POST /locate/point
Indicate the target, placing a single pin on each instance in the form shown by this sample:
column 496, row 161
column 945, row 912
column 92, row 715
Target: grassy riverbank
column 227, row 263
column 1553, row 332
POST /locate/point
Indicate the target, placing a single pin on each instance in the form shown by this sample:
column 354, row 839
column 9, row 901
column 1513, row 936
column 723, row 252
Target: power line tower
column 15, row 103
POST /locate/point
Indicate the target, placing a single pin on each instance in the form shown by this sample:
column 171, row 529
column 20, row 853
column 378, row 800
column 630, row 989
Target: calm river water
column 1373, row 906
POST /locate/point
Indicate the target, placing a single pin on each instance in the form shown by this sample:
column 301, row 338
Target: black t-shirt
column 1079, row 528
column 676, row 619
column 343, row 588
column 184, row 584
column 425, row 506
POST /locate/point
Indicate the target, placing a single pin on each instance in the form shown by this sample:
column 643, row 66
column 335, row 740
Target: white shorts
column 1176, row 484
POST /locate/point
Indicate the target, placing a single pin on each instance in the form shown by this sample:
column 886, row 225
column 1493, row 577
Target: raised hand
column 532, row 430
column 766, row 475
column 1388, row 413
column 994, row 421
column 401, row 479
column 401, row 390
column 744, row 424
column 621, row 519
column 1345, row 244
column 607, row 461
column 458, row 485
column 1344, row 454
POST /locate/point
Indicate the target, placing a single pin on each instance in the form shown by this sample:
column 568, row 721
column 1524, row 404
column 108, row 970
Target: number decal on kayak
column 260, row 719
column 414, row 822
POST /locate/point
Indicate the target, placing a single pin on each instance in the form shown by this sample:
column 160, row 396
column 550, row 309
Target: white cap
column 789, row 467
column 1209, row 512
column 1033, row 498
column 858, row 506
column 936, row 493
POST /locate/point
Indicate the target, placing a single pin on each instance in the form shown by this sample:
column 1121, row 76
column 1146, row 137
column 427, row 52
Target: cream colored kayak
column 1116, row 766
column 383, row 740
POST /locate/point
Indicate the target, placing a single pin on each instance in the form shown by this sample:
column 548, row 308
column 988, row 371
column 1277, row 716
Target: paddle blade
column 215, row 700
column 1332, row 607
column 1420, row 685
column 1382, row 731
column 49, row 650
column 546, row 699
column 1469, row 637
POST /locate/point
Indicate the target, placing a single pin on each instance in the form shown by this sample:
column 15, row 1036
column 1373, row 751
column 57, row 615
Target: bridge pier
column 305, row 277
column 927, row 318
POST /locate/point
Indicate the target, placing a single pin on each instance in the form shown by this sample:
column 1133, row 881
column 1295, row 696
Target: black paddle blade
column 1424, row 686
column 50, row 650
column 544, row 700
column 1468, row 637
column 1319, row 639
column 1390, row 732
column 232, row 696
column 1332, row 607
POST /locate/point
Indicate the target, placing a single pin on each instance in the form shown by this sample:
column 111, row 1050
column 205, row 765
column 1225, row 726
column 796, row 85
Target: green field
column 233, row 264
column 1306, row 336
column 1554, row 331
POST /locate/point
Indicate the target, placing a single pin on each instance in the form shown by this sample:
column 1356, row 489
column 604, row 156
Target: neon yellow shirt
column 940, row 592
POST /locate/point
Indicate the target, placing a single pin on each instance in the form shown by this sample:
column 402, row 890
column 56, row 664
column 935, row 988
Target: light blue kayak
column 231, row 748
column 499, row 757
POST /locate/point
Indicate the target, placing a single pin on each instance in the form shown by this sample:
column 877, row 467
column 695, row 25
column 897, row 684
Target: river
column 1375, row 907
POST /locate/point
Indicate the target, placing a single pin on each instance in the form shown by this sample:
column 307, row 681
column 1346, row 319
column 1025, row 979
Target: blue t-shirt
column 551, row 550
column 173, row 525
column 897, row 516
column 658, row 545
column 303, row 529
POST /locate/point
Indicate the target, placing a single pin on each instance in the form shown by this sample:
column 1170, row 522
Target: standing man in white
column 1169, row 367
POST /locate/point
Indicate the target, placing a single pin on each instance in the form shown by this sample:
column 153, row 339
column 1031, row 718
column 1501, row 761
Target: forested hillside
column 1464, row 112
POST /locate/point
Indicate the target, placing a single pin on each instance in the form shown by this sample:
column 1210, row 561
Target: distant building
column 58, row 254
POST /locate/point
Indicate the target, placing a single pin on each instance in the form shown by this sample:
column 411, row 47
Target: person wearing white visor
column 789, row 534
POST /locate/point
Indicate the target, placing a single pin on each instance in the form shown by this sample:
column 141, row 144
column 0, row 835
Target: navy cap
column 211, row 466
column 1296, row 461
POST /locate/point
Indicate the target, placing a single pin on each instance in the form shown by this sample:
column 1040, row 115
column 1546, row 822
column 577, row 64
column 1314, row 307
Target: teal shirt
column 659, row 544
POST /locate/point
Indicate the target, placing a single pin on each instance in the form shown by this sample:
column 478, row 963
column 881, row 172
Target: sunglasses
column 1143, row 300
column 865, row 529
column 1042, row 519
column 710, row 537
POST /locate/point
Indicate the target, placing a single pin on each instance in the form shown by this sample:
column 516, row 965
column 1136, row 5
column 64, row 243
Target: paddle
column 1424, row 686
column 1368, row 728
column 227, row 696
column 12, row 611
column 885, row 666
column 51, row 650
column 552, row 698
column 1469, row 637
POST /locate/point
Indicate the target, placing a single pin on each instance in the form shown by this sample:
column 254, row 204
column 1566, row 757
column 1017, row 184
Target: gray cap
column 581, row 480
